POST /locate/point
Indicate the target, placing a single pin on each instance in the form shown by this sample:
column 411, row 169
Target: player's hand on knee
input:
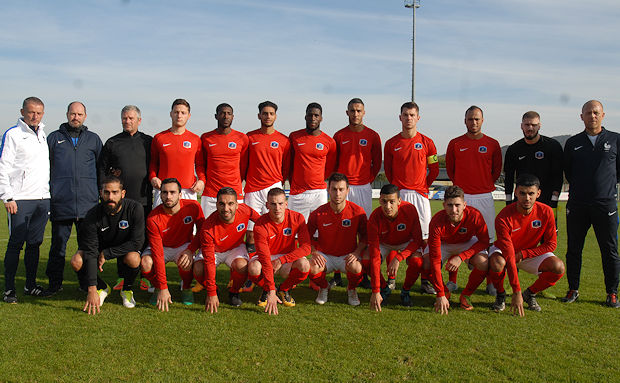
column 442, row 305
column 185, row 259
column 392, row 268
column 453, row 263
column 350, row 259
column 101, row 261
column 319, row 260
column 212, row 303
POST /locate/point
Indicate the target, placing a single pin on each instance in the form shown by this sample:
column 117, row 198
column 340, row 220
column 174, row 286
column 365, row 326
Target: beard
column 111, row 206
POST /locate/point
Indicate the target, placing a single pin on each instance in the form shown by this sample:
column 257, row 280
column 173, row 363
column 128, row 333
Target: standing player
column 225, row 156
column 313, row 160
column 411, row 164
column 474, row 162
column 24, row 189
column 341, row 226
column 538, row 155
column 394, row 234
column 592, row 167
column 457, row 234
column 526, row 237
column 359, row 155
column 170, row 228
column 277, row 252
column 221, row 240
column 114, row 228
column 176, row 153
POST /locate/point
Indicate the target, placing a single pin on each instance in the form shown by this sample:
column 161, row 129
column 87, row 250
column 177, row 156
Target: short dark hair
column 314, row 105
column 390, row 189
column 355, row 101
column 528, row 180
column 410, row 105
column 76, row 102
column 110, row 179
column 453, row 192
column 222, row 106
column 472, row 108
column 226, row 191
column 172, row 180
column 32, row 100
column 180, row 101
column 530, row 114
column 265, row 104
column 337, row 177
column 275, row 192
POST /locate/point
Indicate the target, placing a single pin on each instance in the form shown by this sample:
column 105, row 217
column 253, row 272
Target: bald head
column 592, row 116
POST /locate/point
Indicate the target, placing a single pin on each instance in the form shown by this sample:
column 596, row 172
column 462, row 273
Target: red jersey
column 474, row 165
column 359, row 154
column 165, row 230
column 313, row 160
column 177, row 156
column 441, row 230
column 217, row 236
column 225, row 157
column 271, row 239
column 404, row 228
column 269, row 160
column 406, row 161
column 517, row 232
column 338, row 233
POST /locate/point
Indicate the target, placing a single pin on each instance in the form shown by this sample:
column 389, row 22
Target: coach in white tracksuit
column 24, row 189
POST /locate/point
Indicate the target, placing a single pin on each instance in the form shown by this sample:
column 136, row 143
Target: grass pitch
column 53, row 340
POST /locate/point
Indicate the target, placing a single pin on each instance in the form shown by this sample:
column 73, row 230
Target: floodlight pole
column 413, row 4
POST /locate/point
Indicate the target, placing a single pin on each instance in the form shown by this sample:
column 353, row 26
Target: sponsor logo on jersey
column 346, row 223
column 232, row 145
column 417, row 146
column 401, row 227
column 482, row 149
column 536, row 223
column 363, row 142
column 274, row 144
column 188, row 219
column 462, row 230
column 539, row 155
column 606, row 146
column 319, row 146
column 240, row 227
column 123, row 224
column 287, row 231
column 187, row 144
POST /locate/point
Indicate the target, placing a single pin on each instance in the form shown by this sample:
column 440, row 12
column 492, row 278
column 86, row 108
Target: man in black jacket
column 74, row 151
column 112, row 229
column 592, row 167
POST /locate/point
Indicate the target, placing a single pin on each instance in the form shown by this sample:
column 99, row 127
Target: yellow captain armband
column 432, row 159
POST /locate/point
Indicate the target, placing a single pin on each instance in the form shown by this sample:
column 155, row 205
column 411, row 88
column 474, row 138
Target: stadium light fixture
column 413, row 4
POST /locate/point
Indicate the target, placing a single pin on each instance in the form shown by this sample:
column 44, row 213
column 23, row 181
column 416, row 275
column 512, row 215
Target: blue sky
column 506, row 57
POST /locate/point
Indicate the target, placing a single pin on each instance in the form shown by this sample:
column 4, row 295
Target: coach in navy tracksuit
column 74, row 151
column 592, row 167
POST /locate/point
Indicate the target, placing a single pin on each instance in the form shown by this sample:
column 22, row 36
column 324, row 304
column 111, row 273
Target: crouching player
column 394, row 234
column 457, row 234
column 170, row 228
column 526, row 237
column 341, row 227
column 114, row 228
column 277, row 252
column 221, row 239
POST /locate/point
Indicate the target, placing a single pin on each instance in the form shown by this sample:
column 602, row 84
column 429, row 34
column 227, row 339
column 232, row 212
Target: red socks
column 545, row 280
column 238, row 279
column 354, row 280
column 498, row 280
column 413, row 271
column 295, row 277
column 258, row 280
column 187, row 276
column 475, row 279
column 319, row 279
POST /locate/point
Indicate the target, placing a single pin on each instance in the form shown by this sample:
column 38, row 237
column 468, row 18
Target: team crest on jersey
column 123, row 224
column 363, row 142
column 482, row 149
column 539, row 155
column 287, row 231
column 536, row 224
column 188, row 219
column 401, row 227
column 274, row 144
column 417, row 146
column 346, row 223
column 240, row 227
column 320, row 146
column 187, row 144
column 606, row 146
column 232, row 145
column 462, row 230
